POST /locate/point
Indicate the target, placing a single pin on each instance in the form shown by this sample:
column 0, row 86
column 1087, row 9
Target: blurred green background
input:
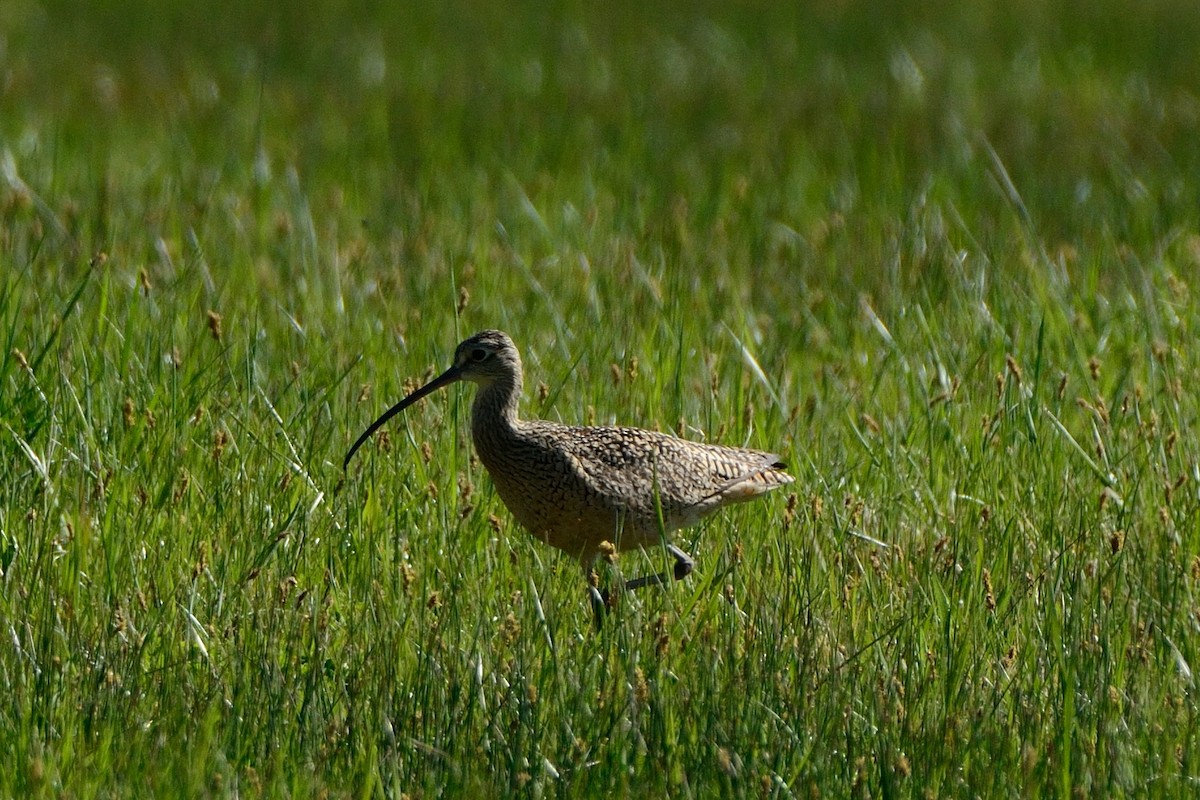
column 843, row 108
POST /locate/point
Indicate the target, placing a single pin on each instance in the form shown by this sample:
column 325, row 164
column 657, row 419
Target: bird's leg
column 599, row 605
column 602, row 598
column 683, row 567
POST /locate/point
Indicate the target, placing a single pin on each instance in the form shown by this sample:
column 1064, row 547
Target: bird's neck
column 495, row 410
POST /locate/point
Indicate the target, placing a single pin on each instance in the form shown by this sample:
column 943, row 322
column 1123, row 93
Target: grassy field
column 943, row 256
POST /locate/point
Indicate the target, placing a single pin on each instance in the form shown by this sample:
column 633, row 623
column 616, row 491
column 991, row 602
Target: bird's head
column 487, row 357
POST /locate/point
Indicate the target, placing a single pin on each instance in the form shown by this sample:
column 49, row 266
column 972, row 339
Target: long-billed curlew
column 577, row 488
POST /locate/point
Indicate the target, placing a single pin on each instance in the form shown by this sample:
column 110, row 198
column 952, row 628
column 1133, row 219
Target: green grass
column 941, row 256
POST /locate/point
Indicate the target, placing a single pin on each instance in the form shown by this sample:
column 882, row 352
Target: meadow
column 941, row 256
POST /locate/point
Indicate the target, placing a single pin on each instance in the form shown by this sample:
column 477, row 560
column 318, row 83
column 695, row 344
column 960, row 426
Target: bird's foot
column 683, row 567
column 683, row 562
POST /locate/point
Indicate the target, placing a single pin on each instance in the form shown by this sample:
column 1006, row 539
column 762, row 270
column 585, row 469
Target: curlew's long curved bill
column 445, row 379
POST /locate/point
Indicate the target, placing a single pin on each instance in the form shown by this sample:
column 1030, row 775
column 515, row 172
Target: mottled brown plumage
column 576, row 487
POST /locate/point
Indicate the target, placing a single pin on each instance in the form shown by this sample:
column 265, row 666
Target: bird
column 591, row 491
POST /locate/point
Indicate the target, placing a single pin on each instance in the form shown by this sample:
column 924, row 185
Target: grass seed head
column 854, row 506
column 214, row 324
column 408, row 576
column 662, row 637
column 725, row 762
column 220, row 440
column 281, row 225
column 181, row 488
column 641, row 687
column 285, row 588
column 1179, row 289
column 608, row 552
column 1010, row 657
column 1030, row 759
column 510, row 629
column 1014, row 369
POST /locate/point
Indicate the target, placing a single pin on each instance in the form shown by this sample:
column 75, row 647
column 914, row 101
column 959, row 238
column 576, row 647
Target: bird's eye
column 478, row 354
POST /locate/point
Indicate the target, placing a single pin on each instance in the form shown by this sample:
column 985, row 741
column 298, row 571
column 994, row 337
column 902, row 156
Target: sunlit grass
column 942, row 259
